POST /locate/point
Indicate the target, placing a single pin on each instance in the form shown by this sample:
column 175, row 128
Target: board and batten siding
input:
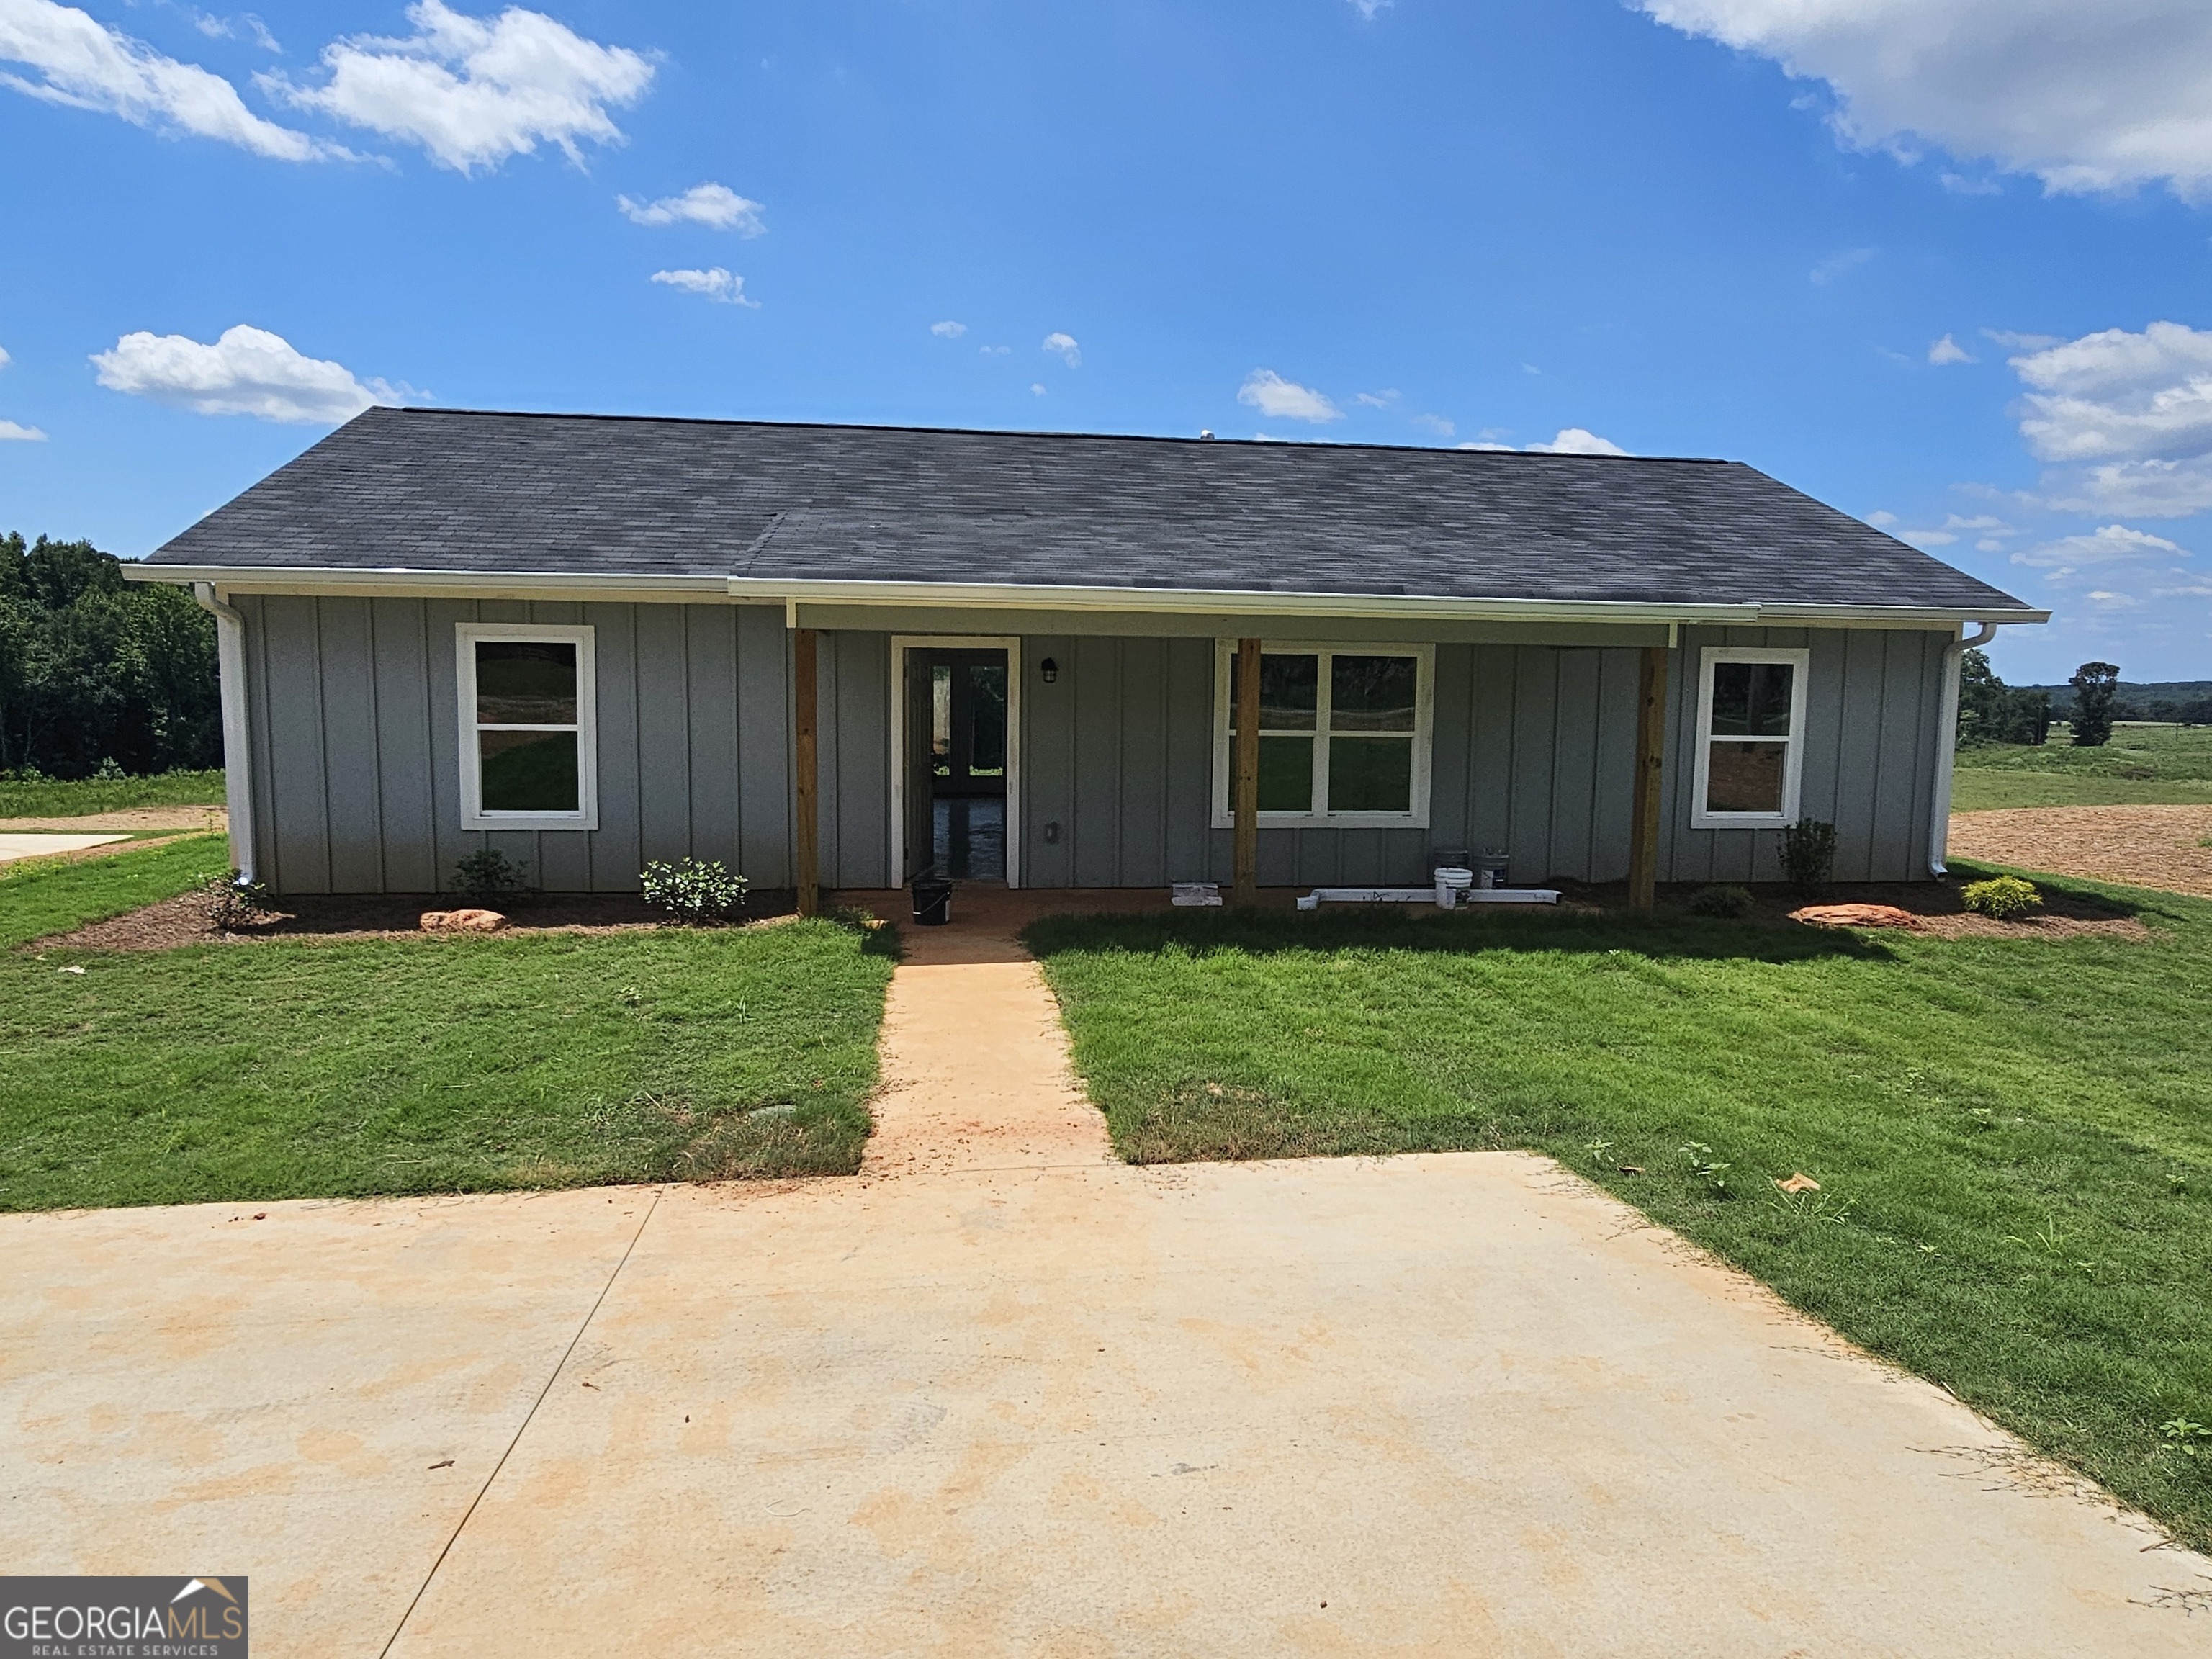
column 356, row 727
column 1533, row 751
column 356, row 772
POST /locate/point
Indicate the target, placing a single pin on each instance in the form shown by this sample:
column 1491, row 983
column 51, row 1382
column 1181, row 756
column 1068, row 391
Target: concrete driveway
column 1458, row 1404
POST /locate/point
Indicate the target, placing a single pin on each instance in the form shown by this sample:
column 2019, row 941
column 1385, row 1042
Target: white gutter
column 1947, row 747
column 1019, row 596
column 237, row 740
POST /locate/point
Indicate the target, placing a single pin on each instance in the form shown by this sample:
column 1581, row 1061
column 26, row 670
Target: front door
column 920, row 764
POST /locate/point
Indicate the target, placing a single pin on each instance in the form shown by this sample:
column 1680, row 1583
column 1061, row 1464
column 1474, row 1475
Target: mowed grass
column 43, row 896
column 62, row 798
column 2013, row 1138
column 2143, row 765
column 271, row 1070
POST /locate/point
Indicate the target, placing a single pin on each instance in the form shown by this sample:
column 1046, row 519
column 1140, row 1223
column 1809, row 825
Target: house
column 843, row 655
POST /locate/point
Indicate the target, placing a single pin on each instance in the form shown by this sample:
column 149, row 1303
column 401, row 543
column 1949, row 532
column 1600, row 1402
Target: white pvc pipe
column 237, row 742
column 1947, row 747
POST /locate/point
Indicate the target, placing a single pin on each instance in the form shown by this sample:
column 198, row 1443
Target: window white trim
column 473, row 815
column 1424, row 676
column 1011, row 645
column 1793, row 766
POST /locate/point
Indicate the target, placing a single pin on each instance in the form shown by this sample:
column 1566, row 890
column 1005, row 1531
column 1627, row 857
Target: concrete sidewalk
column 1455, row 1404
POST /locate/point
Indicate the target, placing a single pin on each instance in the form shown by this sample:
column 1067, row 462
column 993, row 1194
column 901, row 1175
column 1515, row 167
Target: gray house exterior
column 676, row 571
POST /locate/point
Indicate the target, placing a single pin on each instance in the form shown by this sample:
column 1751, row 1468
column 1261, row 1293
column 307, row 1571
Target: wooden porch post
column 1646, row 806
column 806, row 856
column 1245, row 775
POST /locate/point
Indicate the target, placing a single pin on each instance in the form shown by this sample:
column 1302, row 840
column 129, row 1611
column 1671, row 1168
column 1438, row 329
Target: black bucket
column 933, row 902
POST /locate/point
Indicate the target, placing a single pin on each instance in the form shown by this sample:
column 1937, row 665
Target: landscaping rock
column 1858, row 915
column 462, row 921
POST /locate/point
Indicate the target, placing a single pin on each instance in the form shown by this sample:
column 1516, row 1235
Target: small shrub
column 1731, row 903
column 232, row 902
column 2002, row 898
column 1709, row 1168
column 487, row 874
column 693, row 891
column 1808, row 855
column 109, row 772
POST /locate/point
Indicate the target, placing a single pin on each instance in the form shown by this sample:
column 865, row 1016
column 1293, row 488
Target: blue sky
column 1740, row 227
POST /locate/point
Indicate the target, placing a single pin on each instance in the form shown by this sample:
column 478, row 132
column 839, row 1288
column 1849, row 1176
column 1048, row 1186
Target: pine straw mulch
column 2157, row 846
column 337, row 920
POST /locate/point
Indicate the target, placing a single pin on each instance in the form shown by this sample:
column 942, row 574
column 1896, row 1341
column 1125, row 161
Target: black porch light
column 1050, row 668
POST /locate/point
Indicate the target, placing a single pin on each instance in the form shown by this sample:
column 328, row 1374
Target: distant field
column 58, row 797
column 2143, row 765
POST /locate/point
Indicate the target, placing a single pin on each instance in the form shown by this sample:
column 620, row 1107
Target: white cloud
column 1578, row 441
column 2132, row 413
column 87, row 65
column 1064, row 346
column 1436, row 423
column 10, row 433
column 1037, row 387
column 2113, row 544
column 1947, row 350
column 474, row 91
column 949, row 330
column 1381, row 399
column 228, row 28
column 715, row 206
column 1368, row 9
column 2110, row 600
column 1837, row 265
column 2087, row 97
column 1271, row 395
column 994, row 351
column 249, row 371
column 1881, row 518
column 716, row 283
column 4, row 358
column 1958, row 184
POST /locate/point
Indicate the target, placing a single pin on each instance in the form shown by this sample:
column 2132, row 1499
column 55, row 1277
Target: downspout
column 1947, row 747
column 237, row 745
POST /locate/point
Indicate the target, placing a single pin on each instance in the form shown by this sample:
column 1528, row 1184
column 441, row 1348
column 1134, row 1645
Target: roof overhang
column 400, row 582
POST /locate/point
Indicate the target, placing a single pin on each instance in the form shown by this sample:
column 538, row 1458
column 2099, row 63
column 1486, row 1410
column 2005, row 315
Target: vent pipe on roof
column 237, row 745
column 1947, row 747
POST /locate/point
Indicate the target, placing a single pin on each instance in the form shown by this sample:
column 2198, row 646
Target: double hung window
column 1344, row 734
column 527, row 740
column 1751, row 736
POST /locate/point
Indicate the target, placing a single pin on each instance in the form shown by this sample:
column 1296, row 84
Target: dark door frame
column 901, row 645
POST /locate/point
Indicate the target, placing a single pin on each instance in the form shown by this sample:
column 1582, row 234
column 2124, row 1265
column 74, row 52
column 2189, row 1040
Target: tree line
column 98, row 674
column 1990, row 711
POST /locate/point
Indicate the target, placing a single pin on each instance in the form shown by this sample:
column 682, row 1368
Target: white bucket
column 1451, row 881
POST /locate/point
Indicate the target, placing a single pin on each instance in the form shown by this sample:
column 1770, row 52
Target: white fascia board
column 1020, row 596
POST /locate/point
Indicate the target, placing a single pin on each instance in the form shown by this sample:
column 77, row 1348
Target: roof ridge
column 1031, row 432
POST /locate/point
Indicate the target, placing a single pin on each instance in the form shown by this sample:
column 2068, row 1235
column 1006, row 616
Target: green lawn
column 42, row 897
column 275, row 1070
column 58, row 797
column 2142, row 766
column 2013, row 1138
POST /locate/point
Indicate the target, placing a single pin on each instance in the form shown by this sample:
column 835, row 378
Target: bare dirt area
column 2158, row 847
column 334, row 921
column 200, row 820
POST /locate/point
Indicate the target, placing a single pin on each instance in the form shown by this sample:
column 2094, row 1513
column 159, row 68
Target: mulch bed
column 339, row 920
column 1936, row 906
column 2132, row 846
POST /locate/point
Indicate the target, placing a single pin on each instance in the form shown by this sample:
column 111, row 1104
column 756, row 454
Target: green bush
column 1808, row 855
column 1729, row 902
column 2003, row 897
column 693, row 890
column 488, row 874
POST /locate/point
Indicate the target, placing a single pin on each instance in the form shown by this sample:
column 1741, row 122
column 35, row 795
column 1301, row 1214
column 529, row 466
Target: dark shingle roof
column 456, row 491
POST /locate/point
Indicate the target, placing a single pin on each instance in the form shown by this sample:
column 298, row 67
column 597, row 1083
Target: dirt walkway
column 975, row 1068
column 2136, row 846
column 206, row 818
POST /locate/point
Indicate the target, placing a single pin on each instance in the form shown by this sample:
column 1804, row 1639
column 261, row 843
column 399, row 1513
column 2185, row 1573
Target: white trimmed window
column 1751, row 738
column 1344, row 734
column 529, row 746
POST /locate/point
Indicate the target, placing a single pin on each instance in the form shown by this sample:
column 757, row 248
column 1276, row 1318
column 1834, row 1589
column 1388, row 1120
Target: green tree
column 2096, row 688
column 1990, row 711
column 93, row 668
